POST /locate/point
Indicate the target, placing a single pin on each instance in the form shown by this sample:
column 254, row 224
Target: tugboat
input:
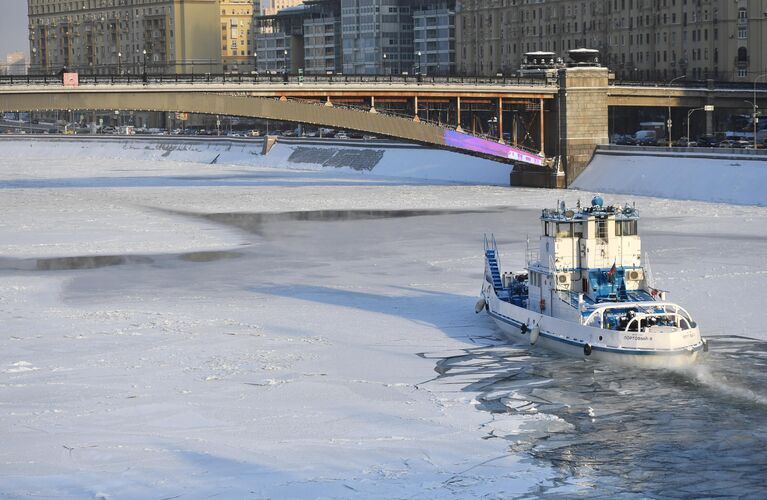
column 585, row 293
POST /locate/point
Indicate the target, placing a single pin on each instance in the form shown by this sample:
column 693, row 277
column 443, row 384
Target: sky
column 13, row 27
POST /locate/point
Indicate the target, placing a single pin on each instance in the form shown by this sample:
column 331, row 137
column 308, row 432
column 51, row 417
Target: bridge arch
column 379, row 124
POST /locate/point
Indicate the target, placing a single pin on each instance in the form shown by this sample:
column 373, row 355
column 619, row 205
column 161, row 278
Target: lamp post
column 755, row 116
column 384, row 64
column 34, row 56
column 669, row 122
column 419, row 61
column 144, row 73
column 707, row 108
column 689, row 114
column 285, row 53
column 119, row 61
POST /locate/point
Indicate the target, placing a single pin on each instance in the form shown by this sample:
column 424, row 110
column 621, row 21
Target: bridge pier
column 583, row 115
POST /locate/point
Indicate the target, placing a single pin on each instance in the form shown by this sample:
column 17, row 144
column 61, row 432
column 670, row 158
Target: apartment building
column 638, row 39
column 306, row 37
column 237, row 52
column 129, row 36
column 377, row 36
column 322, row 37
column 434, row 36
column 279, row 41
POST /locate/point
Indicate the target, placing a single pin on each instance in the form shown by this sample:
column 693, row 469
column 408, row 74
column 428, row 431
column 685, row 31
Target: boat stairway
column 492, row 263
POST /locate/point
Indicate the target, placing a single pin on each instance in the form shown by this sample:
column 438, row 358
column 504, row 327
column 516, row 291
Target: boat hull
column 680, row 348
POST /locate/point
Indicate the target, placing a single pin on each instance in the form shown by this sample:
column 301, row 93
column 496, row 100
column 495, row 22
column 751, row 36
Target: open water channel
column 616, row 432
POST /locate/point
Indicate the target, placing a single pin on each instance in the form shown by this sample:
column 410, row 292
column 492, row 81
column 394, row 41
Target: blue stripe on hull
column 641, row 352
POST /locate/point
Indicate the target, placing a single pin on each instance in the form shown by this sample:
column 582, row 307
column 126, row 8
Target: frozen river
column 185, row 330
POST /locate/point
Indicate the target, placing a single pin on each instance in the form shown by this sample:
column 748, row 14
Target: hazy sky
column 13, row 27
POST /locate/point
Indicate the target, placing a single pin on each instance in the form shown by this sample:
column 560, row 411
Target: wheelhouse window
column 626, row 228
column 601, row 229
column 564, row 230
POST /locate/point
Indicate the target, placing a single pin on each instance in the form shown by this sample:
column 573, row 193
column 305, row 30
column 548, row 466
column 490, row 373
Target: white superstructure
column 586, row 291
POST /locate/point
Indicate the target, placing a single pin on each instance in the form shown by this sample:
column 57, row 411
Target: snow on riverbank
column 738, row 180
column 384, row 158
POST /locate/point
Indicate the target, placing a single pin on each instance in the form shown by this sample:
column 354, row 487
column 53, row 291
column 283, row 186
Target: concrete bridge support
column 574, row 125
column 583, row 116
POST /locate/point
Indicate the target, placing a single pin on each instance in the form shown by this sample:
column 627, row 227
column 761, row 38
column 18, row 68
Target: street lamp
column 285, row 52
column 144, row 74
column 668, row 122
column 708, row 108
column 119, row 61
column 689, row 114
column 384, row 64
column 419, row 61
column 755, row 116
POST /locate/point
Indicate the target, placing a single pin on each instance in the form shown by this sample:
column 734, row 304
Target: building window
column 742, row 32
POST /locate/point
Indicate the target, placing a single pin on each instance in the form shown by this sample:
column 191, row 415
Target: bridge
column 563, row 117
column 391, row 107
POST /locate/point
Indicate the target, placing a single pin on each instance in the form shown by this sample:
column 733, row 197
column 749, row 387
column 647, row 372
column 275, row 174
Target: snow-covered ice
column 190, row 330
column 709, row 177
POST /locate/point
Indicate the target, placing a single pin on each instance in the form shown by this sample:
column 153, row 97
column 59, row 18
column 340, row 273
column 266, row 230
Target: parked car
column 646, row 138
column 341, row 135
column 624, row 140
column 727, row 143
column 684, row 142
column 707, row 141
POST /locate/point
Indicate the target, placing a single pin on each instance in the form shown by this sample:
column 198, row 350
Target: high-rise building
column 129, row 36
column 322, row 37
column 434, row 36
column 236, row 38
column 306, row 37
column 377, row 36
column 279, row 40
column 638, row 39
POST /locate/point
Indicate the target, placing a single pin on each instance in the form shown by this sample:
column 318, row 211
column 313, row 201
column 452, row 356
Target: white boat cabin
column 590, row 254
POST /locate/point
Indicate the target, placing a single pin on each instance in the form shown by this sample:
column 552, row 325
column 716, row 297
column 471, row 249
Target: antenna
column 648, row 277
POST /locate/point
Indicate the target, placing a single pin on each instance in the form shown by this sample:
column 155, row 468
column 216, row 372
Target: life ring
column 587, row 349
column 542, row 304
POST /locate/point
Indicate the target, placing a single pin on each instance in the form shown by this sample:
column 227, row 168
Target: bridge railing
column 273, row 78
column 692, row 84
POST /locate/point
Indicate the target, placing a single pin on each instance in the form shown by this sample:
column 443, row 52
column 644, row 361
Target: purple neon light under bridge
column 466, row 141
